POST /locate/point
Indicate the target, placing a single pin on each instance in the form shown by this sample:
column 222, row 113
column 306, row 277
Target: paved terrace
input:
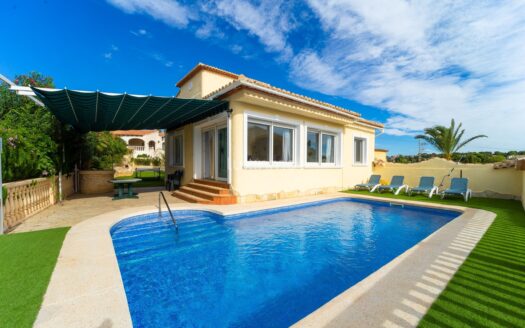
column 78, row 208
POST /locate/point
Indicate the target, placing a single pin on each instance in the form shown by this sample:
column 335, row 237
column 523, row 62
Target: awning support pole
column 229, row 152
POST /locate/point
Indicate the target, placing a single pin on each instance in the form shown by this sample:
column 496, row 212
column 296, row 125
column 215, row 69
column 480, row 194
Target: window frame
column 271, row 122
column 337, row 148
column 364, row 162
column 173, row 156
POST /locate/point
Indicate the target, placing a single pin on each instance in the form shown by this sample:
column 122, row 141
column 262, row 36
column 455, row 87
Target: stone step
column 210, row 189
column 212, row 183
column 190, row 198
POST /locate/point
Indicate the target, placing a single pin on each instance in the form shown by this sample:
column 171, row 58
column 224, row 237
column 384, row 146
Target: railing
column 169, row 210
column 27, row 197
column 136, row 148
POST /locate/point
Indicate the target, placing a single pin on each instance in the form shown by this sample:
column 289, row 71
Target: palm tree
column 447, row 140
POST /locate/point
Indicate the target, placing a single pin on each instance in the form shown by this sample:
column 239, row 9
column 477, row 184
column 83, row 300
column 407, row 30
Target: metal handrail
column 169, row 210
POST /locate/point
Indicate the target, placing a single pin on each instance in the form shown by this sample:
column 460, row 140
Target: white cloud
column 267, row 20
column 140, row 32
column 161, row 59
column 168, row 11
column 236, row 49
column 321, row 76
column 425, row 62
column 108, row 55
column 209, row 29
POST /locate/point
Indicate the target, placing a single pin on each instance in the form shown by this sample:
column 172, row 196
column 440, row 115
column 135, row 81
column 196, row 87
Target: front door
column 208, row 154
column 222, row 153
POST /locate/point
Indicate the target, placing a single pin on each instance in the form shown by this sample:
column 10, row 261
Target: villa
column 293, row 237
column 143, row 142
column 270, row 144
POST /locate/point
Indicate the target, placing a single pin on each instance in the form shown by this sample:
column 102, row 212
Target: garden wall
column 28, row 197
column 523, row 187
column 484, row 180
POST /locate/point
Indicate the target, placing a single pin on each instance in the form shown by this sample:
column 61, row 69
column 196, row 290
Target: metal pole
column 1, row 194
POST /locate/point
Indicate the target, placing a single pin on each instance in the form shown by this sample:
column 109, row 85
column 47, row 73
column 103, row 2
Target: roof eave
column 237, row 85
column 202, row 66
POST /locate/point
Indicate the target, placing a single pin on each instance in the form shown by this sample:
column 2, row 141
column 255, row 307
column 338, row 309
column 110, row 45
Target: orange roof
column 201, row 66
column 132, row 132
column 314, row 102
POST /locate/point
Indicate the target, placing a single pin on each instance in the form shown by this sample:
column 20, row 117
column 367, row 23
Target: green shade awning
column 101, row 111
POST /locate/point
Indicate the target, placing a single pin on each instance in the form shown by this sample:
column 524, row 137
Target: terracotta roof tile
column 242, row 78
column 201, row 66
column 132, row 132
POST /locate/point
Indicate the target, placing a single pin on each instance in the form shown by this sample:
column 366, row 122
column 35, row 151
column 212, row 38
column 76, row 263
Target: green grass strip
column 27, row 261
column 149, row 179
column 488, row 290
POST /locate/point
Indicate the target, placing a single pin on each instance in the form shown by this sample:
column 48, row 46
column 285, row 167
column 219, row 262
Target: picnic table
column 139, row 170
column 122, row 184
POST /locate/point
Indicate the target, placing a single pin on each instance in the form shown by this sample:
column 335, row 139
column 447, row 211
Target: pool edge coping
column 88, row 258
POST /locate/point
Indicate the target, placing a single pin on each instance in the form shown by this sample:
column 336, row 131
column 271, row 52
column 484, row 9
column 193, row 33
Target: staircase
column 206, row 192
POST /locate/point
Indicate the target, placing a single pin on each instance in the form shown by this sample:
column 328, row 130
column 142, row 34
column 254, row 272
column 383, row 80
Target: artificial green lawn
column 149, row 179
column 27, row 261
column 488, row 290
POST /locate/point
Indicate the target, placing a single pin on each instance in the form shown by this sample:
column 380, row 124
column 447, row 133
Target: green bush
column 155, row 161
column 102, row 150
column 142, row 159
column 30, row 133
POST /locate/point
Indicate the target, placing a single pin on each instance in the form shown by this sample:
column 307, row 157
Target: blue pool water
column 263, row 269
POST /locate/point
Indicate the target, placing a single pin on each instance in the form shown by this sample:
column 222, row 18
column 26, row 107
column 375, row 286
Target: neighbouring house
column 143, row 142
column 271, row 144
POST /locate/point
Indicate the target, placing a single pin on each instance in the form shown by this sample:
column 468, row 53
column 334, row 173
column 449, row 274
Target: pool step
column 206, row 192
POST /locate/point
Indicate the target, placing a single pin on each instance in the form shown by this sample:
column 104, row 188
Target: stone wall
column 484, row 180
column 95, row 182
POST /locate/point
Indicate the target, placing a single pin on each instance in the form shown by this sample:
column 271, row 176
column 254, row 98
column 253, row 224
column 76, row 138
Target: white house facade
column 143, row 142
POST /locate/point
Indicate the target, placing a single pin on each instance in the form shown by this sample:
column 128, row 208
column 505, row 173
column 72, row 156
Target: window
column 270, row 142
column 177, row 159
column 359, row 151
column 320, row 147
column 282, row 144
column 312, row 149
column 258, row 142
column 328, row 149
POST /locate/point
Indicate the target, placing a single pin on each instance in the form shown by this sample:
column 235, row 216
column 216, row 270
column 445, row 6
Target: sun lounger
column 458, row 187
column 372, row 184
column 395, row 186
column 426, row 186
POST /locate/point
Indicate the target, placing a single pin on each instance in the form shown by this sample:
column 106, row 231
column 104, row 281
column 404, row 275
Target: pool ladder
column 397, row 204
column 169, row 210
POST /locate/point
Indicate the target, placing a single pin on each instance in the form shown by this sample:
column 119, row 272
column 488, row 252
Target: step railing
column 161, row 195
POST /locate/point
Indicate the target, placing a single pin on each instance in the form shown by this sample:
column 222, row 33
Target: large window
column 359, row 151
column 282, row 144
column 270, row 142
column 258, row 142
column 176, row 157
column 312, row 149
column 328, row 149
column 320, row 147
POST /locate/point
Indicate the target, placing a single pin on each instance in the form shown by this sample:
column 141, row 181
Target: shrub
column 142, row 159
column 155, row 161
column 102, row 150
column 30, row 133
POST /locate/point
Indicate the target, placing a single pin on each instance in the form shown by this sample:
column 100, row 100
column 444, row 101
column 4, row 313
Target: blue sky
column 408, row 64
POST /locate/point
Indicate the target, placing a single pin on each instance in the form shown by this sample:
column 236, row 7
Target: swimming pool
column 268, row 268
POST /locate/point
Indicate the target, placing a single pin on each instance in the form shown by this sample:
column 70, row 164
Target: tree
column 30, row 147
column 102, row 150
column 447, row 140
